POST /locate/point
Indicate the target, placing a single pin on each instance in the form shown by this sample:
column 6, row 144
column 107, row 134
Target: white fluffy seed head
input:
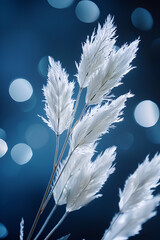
column 97, row 122
column 58, row 98
column 110, row 74
column 141, row 184
column 85, row 185
column 72, row 164
column 95, row 51
column 137, row 203
column 130, row 223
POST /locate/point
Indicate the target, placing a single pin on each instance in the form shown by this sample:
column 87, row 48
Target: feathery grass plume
column 84, row 186
column 130, row 223
column 137, row 203
column 78, row 179
column 72, row 164
column 97, row 122
column 141, row 184
column 58, row 98
column 111, row 72
column 21, row 229
column 95, row 51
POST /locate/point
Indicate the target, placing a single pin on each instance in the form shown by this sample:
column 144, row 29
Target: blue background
column 33, row 29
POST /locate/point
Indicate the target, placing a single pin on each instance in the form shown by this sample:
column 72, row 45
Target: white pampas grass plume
column 111, row 72
column 130, row 223
column 71, row 165
column 97, row 121
column 21, row 229
column 58, row 98
column 84, row 186
column 137, row 203
column 141, row 184
column 95, row 51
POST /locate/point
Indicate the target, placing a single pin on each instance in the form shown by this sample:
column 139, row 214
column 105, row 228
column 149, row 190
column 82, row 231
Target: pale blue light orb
column 37, row 136
column 3, row 148
column 60, row 3
column 43, row 66
column 20, row 90
column 142, row 19
column 153, row 133
column 87, row 11
column 146, row 113
column 21, row 153
column 3, row 231
column 3, row 134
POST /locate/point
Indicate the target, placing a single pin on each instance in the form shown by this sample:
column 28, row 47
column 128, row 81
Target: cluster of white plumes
column 137, row 203
column 78, row 178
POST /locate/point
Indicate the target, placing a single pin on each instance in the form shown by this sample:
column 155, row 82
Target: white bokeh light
column 87, row 11
column 3, row 148
column 146, row 113
column 20, row 90
column 37, row 136
column 21, row 153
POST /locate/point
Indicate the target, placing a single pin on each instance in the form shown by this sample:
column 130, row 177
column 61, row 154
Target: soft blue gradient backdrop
column 33, row 29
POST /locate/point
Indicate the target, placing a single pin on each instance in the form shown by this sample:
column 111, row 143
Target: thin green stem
column 45, row 223
column 58, row 224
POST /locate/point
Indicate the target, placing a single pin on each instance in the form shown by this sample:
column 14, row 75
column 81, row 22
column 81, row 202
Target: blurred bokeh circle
column 142, row 19
column 43, row 66
column 3, row 134
column 146, row 113
column 3, row 231
column 3, row 148
column 20, row 90
column 60, row 3
column 21, row 153
column 37, row 136
column 87, row 11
